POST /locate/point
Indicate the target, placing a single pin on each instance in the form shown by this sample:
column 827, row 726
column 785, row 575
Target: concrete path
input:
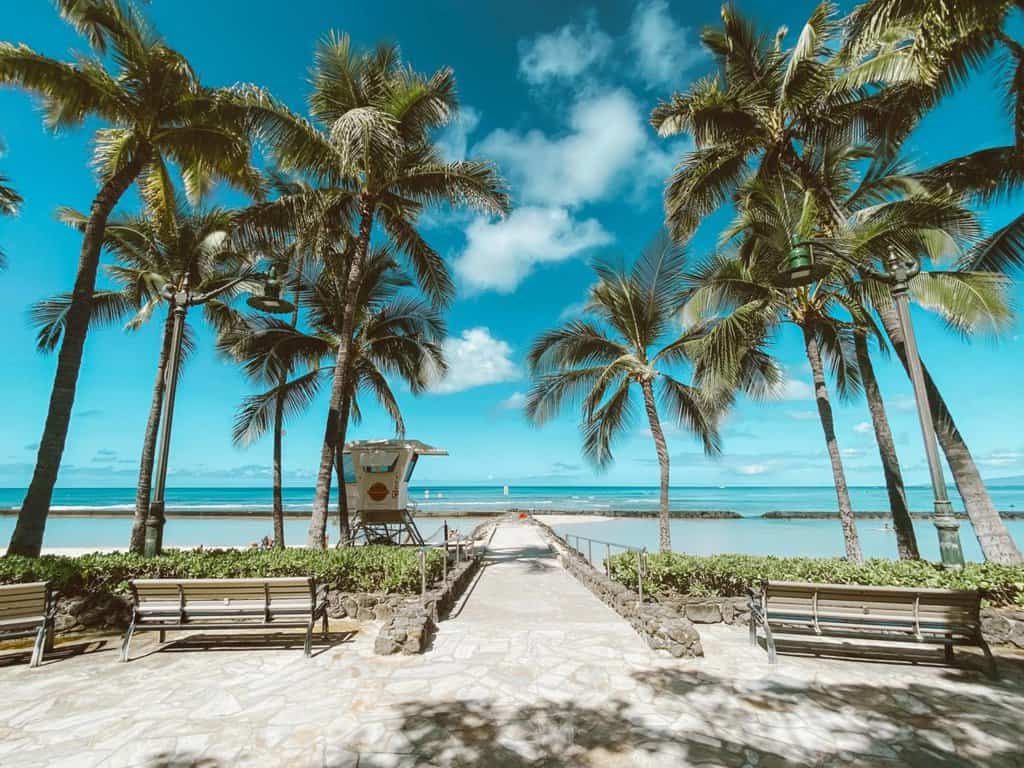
column 533, row 671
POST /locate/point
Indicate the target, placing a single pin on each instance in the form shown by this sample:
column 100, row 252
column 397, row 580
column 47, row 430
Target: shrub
column 731, row 575
column 351, row 569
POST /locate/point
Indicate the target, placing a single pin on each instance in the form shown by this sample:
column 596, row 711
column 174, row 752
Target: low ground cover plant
column 350, row 569
column 674, row 574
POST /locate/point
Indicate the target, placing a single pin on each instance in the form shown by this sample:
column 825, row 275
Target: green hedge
column 731, row 575
column 352, row 569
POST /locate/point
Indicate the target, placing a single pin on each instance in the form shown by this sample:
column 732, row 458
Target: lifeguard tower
column 378, row 489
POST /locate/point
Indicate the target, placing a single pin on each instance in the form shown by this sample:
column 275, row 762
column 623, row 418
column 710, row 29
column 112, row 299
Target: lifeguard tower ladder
column 378, row 489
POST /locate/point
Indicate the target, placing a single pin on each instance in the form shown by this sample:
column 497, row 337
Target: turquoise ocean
column 240, row 516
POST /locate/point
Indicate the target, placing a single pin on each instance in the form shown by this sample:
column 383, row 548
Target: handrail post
column 640, row 588
column 608, row 560
column 423, row 571
column 590, row 552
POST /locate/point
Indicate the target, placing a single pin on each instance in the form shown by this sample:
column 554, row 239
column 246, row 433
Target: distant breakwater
column 676, row 514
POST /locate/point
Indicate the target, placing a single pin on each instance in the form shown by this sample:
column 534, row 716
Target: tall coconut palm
column 924, row 51
column 630, row 339
column 760, row 115
column 154, row 249
column 739, row 290
column 746, row 286
column 370, row 139
column 10, row 201
column 156, row 111
column 395, row 334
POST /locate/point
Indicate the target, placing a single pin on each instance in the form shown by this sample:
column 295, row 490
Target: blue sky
column 558, row 94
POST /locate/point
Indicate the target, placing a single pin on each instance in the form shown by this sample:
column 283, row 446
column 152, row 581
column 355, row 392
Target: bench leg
column 126, row 642
column 325, row 625
column 950, row 658
column 308, row 649
column 163, row 635
column 769, row 642
column 37, row 647
column 990, row 660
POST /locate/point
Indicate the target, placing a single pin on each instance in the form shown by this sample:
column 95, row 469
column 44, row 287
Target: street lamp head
column 800, row 268
column 270, row 300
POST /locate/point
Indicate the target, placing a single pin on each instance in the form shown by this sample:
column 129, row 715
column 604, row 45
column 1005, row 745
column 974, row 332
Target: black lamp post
column 801, row 269
column 180, row 300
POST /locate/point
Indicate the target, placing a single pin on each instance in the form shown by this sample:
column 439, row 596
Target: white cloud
column 802, row 415
column 572, row 311
column 500, row 254
column 852, row 453
column 474, row 359
column 862, row 427
column 662, row 49
column 454, row 139
column 1000, row 458
column 793, row 389
column 607, row 136
column 563, row 54
column 752, row 469
column 903, row 403
column 513, row 402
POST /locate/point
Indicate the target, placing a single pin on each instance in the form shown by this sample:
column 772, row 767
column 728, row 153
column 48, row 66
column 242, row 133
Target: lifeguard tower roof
column 421, row 449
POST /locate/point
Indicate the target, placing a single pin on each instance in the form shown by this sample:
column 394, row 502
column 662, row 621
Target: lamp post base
column 948, row 528
column 154, row 530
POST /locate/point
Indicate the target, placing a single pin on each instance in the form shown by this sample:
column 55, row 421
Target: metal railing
column 641, row 565
column 588, row 553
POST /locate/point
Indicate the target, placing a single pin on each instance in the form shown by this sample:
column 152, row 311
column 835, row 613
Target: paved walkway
column 533, row 671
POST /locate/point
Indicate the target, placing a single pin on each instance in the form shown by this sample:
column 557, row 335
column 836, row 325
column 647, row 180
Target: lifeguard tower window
column 383, row 464
column 412, row 466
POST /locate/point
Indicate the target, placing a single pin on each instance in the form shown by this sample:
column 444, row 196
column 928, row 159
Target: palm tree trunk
column 664, row 535
column 339, row 383
column 144, row 487
column 846, row 519
column 995, row 540
column 344, row 526
column 278, row 500
column 906, row 541
column 27, row 538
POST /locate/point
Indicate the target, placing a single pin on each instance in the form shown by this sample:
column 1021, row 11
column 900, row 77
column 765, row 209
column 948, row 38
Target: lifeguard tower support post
column 378, row 492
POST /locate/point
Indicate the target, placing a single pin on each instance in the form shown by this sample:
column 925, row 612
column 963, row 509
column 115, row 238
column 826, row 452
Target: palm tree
column 369, row 147
column 746, row 286
column 157, row 111
column 739, row 291
column 630, row 339
column 394, row 334
column 761, row 115
column 923, row 51
column 10, row 201
column 153, row 250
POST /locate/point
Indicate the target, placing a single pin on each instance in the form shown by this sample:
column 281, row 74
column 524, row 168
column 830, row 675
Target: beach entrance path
column 544, row 626
column 530, row 670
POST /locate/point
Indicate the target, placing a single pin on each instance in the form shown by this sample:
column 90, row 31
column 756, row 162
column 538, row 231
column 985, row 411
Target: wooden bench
column 27, row 610
column 882, row 616
column 160, row 605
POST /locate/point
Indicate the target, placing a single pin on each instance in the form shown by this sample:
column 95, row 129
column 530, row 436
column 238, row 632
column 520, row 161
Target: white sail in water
column 505, row 490
column 426, row 493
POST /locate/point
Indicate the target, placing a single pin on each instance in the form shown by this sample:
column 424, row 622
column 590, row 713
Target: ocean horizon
column 84, row 519
column 746, row 501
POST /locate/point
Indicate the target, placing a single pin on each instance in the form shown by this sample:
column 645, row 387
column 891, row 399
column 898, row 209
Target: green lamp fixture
column 270, row 300
column 800, row 267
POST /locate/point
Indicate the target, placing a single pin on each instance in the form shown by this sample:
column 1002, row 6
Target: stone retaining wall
column 413, row 624
column 80, row 613
column 999, row 626
column 662, row 626
column 1003, row 626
